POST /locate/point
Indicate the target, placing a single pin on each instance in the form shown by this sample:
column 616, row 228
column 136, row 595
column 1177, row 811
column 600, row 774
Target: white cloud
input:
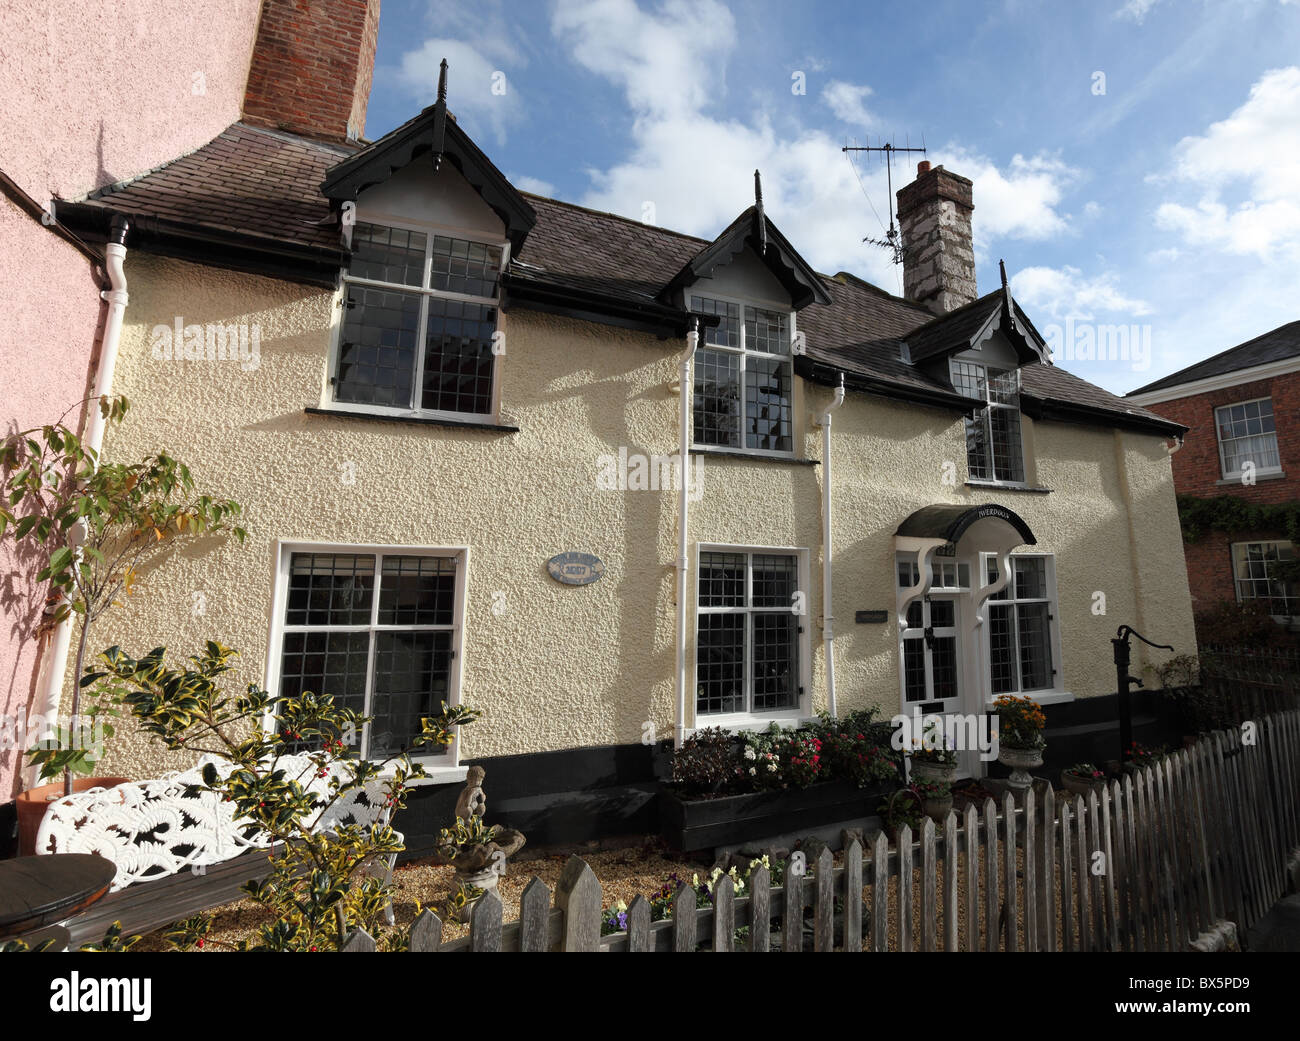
column 470, row 79
column 696, row 166
column 536, row 185
column 1136, row 10
column 846, row 100
column 1019, row 201
column 667, row 62
column 1065, row 292
column 1254, row 153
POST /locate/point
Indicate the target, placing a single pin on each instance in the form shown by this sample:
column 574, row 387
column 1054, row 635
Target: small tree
column 319, row 889
column 102, row 524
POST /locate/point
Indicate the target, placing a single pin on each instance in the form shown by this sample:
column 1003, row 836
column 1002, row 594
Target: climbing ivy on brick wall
column 1228, row 513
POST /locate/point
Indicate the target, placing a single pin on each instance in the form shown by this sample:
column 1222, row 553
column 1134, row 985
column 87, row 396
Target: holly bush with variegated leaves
column 320, row 887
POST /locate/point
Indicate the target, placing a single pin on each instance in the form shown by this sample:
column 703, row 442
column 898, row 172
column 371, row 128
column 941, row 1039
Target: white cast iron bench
column 178, row 854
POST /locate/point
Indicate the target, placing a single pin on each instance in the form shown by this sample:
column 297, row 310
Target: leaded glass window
column 1020, row 619
column 376, row 631
column 993, row 442
column 420, row 311
column 744, row 378
column 748, row 633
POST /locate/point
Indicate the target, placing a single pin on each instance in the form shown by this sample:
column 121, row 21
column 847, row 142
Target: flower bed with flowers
column 728, row 789
column 661, row 902
column 853, row 748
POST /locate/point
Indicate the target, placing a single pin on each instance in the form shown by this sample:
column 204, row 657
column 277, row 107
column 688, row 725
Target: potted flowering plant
column 1020, row 737
column 1140, row 756
column 930, row 759
column 936, row 799
column 1082, row 778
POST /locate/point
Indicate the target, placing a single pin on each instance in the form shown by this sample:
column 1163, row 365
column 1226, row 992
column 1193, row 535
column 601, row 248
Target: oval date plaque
column 575, row 569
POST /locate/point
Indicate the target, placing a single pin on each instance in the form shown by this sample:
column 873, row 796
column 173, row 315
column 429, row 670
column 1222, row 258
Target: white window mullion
column 370, row 657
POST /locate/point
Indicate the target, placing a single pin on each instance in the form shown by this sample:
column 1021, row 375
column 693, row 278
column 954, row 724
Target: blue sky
column 1136, row 162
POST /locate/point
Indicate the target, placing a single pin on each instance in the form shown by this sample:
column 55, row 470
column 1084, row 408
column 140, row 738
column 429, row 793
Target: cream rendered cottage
column 424, row 385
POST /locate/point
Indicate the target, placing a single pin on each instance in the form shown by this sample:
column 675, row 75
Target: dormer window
column 994, row 454
column 420, row 310
column 743, row 378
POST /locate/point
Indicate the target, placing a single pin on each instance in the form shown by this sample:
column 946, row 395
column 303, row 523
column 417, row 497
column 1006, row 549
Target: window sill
column 1271, row 475
column 1043, row 697
column 432, row 421
column 733, row 453
column 437, row 775
column 736, row 722
column 990, row 485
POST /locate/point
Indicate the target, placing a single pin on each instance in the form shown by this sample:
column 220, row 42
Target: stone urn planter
column 935, row 773
column 1021, row 761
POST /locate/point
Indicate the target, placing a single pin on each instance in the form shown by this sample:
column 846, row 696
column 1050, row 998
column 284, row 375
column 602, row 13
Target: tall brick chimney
column 938, row 257
column 312, row 66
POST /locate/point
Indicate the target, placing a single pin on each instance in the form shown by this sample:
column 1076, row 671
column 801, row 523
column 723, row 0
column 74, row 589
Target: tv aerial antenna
column 891, row 241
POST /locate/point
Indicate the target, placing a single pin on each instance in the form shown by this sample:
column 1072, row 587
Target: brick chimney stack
column 312, row 67
column 938, row 255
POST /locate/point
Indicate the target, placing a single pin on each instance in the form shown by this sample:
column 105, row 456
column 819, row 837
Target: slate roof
column 1275, row 345
column 265, row 184
column 247, row 179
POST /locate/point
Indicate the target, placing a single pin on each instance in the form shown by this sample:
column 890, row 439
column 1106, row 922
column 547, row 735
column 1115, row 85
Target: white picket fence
column 1185, row 854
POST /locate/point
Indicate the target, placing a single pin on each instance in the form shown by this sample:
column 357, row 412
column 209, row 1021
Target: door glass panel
column 914, row 669
column 943, row 658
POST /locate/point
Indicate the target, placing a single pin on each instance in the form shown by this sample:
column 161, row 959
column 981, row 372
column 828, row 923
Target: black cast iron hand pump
column 1123, row 679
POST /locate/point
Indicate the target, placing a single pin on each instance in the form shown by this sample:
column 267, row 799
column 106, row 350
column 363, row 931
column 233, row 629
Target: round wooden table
column 38, row 891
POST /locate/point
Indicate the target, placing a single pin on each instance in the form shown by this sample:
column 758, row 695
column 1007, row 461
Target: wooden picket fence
column 1185, row 854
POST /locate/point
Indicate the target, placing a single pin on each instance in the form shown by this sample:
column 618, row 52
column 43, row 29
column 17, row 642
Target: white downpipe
column 683, row 563
column 828, row 620
column 55, row 664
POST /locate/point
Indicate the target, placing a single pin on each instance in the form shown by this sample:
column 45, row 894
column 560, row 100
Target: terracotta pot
column 33, row 803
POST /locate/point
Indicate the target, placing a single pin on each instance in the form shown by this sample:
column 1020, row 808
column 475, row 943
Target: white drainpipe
column 55, row 664
column 683, row 563
column 828, row 621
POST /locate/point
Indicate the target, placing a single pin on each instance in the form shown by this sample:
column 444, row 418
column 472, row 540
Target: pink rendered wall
column 92, row 94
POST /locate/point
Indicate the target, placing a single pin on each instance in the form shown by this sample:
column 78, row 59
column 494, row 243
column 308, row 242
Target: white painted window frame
column 442, row 768
column 1236, row 581
column 1218, row 440
column 1045, row 695
column 744, row 352
column 989, row 404
column 755, row 720
column 430, row 229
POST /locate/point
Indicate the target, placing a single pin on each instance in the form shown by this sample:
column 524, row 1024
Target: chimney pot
column 923, row 167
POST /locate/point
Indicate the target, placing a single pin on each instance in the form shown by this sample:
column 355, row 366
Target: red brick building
column 1242, row 410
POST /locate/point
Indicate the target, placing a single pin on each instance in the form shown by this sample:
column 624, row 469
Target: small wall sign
column 575, row 569
column 863, row 617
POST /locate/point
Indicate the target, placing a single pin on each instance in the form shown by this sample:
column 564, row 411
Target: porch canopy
column 949, row 522
column 947, row 530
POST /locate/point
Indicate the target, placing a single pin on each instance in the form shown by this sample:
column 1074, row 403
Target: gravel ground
column 624, row 869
